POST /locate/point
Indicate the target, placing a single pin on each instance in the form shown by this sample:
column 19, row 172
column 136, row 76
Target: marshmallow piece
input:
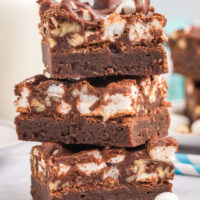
column 64, row 108
column 113, row 26
column 163, row 153
column 126, row 7
column 63, row 169
column 89, row 168
column 167, row 196
column 23, row 101
column 117, row 104
column 86, row 101
column 56, row 91
column 112, row 173
column 120, row 103
column 116, row 159
column 139, row 30
column 146, row 85
column 95, row 154
column 86, row 15
column 145, row 177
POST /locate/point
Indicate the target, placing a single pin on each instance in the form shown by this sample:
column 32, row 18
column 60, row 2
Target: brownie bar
column 122, row 132
column 192, row 90
column 62, row 169
column 40, row 192
column 105, row 61
column 185, row 48
column 122, row 38
column 106, row 98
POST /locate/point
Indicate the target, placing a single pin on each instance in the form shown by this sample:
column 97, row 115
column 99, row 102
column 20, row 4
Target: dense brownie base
column 192, row 91
column 185, row 48
column 122, row 132
column 105, row 61
column 129, row 193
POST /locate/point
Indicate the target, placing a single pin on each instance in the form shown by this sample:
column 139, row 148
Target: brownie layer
column 106, row 98
column 192, row 91
column 185, row 48
column 40, row 192
column 72, row 24
column 64, row 168
column 105, row 60
column 122, row 132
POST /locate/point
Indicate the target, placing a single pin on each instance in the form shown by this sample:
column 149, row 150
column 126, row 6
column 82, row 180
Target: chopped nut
column 54, row 186
column 37, row 105
column 130, row 179
column 174, row 35
column 56, row 99
column 75, row 93
column 183, row 129
column 163, row 173
column 182, row 44
column 76, row 40
column 197, row 111
column 64, row 28
column 48, row 103
column 52, row 43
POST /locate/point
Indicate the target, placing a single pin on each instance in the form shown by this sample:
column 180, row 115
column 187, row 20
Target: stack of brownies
column 100, row 108
column 185, row 47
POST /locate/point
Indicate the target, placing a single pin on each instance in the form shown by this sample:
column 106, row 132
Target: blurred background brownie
column 185, row 48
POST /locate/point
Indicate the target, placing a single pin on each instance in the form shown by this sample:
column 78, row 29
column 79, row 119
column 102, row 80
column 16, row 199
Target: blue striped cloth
column 186, row 164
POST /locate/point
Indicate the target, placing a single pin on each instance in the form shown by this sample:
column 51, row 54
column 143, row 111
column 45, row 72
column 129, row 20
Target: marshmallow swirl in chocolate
column 102, row 8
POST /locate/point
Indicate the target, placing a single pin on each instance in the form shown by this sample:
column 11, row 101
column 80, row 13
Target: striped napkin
column 187, row 164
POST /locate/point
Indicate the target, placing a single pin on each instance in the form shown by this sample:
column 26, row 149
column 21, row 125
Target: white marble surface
column 15, row 176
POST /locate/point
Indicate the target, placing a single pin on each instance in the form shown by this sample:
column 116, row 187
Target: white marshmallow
column 163, row 153
column 86, row 101
column 167, row 196
column 146, row 85
column 141, row 30
column 47, row 74
column 63, row 169
column 112, row 173
column 120, row 103
column 96, row 154
column 72, row 4
column 113, row 26
column 64, row 108
column 116, row 159
column 126, row 6
column 144, row 177
column 117, row 104
column 86, row 15
column 89, row 168
column 56, row 91
column 23, row 100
